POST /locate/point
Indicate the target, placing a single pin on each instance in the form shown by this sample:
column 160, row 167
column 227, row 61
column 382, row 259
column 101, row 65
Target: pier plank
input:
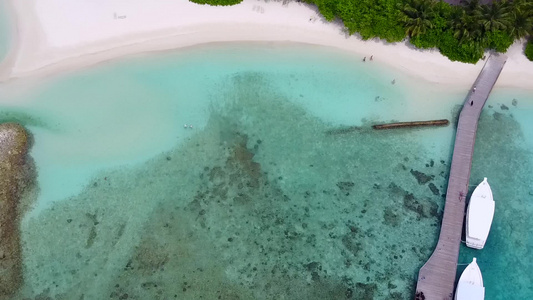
column 436, row 279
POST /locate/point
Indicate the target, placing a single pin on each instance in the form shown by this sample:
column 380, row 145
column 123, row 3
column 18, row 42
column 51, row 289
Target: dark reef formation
column 15, row 178
column 250, row 207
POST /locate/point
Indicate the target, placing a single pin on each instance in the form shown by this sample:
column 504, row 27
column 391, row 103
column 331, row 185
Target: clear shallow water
column 503, row 155
column 272, row 195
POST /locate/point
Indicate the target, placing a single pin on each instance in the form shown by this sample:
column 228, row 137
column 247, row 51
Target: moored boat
column 479, row 216
column 470, row 285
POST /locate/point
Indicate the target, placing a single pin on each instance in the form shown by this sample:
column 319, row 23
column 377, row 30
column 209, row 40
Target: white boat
column 479, row 216
column 470, row 285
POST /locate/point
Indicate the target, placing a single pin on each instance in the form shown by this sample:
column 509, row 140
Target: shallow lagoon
column 279, row 191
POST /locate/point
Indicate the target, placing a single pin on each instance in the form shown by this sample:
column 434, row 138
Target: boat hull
column 479, row 216
column 470, row 285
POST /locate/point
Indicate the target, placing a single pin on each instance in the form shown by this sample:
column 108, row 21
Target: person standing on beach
column 364, row 58
column 371, row 57
column 472, row 103
column 474, row 90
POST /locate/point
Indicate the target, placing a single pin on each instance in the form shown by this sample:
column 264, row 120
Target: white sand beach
column 58, row 35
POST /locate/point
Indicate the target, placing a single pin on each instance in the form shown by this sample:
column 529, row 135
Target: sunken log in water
column 13, row 149
column 443, row 122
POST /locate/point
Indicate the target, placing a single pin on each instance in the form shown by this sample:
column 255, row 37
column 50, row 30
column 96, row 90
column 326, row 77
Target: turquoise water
column 503, row 155
column 5, row 34
column 279, row 191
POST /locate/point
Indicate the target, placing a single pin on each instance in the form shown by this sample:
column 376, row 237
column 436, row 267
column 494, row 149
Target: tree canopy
column 460, row 32
column 529, row 50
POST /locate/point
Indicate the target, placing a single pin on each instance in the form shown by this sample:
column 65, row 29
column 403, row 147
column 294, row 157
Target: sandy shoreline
column 61, row 35
column 6, row 62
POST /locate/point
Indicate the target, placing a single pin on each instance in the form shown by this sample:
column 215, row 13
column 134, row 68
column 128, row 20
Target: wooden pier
column 436, row 279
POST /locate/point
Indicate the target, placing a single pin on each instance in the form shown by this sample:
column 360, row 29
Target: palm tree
column 466, row 25
column 521, row 19
column 418, row 16
column 496, row 16
column 472, row 7
column 522, row 25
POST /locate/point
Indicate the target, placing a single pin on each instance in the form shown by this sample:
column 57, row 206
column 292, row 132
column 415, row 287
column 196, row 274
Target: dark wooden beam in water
column 442, row 122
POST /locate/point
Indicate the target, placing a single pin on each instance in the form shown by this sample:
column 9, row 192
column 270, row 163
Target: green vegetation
column 371, row 18
column 217, row 2
column 461, row 33
column 529, row 50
